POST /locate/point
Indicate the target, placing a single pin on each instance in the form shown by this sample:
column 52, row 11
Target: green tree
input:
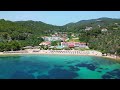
column 118, row 52
column 55, row 43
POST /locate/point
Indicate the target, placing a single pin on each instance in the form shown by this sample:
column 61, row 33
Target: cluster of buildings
column 52, row 38
column 73, row 44
column 56, row 37
column 63, row 41
column 65, row 45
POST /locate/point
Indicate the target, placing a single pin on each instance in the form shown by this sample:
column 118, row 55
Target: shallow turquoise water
column 58, row 67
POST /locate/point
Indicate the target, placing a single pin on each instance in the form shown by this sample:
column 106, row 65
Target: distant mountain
column 38, row 27
column 104, row 22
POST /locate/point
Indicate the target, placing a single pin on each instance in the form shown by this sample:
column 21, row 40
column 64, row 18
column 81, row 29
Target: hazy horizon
column 58, row 18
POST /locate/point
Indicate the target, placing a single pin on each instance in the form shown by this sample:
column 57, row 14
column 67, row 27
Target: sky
column 57, row 17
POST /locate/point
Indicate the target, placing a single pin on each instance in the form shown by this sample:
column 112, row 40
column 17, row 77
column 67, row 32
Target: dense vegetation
column 23, row 32
column 104, row 41
column 15, row 35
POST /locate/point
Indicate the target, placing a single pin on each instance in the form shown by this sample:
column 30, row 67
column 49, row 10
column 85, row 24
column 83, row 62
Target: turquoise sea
column 58, row 67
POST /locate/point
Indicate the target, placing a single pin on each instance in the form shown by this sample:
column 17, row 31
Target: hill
column 95, row 23
column 24, row 32
column 100, row 34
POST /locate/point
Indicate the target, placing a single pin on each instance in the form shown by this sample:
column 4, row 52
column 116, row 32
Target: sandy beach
column 62, row 52
column 58, row 52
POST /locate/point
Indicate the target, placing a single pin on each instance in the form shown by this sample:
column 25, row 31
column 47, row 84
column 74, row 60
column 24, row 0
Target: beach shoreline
column 57, row 52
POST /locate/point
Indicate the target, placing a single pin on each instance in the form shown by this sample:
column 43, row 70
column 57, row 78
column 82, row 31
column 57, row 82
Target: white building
column 104, row 30
column 88, row 28
column 51, row 38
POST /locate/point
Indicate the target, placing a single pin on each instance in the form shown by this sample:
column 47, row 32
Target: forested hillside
column 23, row 33
column 107, row 41
column 100, row 34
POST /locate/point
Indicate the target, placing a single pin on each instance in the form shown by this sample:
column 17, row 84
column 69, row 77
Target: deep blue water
column 58, row 67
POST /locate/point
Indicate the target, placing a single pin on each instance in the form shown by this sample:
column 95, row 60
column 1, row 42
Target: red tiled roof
column 71, row 45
